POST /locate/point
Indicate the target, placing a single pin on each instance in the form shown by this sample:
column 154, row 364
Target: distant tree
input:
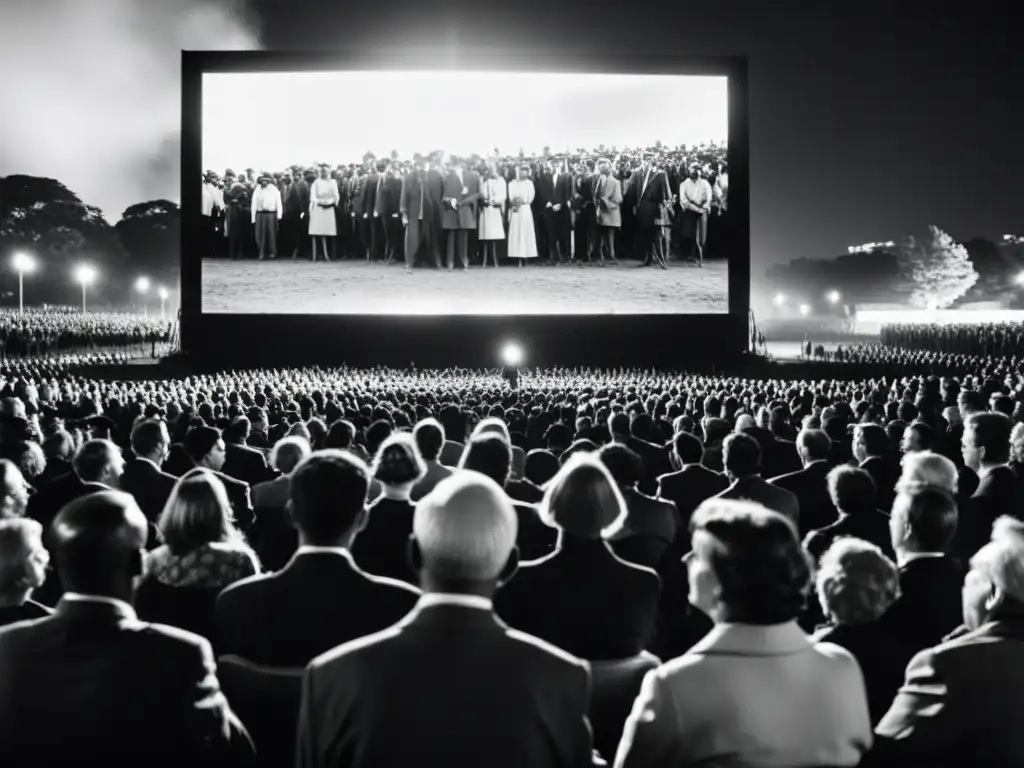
column 939, row 269
column 151, row 234
column 45, row 217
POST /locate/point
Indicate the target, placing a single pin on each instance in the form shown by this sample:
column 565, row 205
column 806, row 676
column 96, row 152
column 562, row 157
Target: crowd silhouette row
column 639, row 568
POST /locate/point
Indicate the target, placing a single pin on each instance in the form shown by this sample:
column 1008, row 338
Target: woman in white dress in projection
column 323, row 197
column 493, row 196
column 522, row 238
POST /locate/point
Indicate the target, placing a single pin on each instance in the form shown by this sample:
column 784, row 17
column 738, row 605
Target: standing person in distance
column 324, row 196
column 608, row 196
column 418, row 215
column 461, row 195
column 267, row 211
column 522, row 235
column 695, row 198
column 494, row 193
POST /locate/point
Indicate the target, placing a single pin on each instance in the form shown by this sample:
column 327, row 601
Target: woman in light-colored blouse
column 203, row 548
column 494, row 194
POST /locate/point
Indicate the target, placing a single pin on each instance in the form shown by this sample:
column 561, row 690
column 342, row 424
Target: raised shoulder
column 535, row 648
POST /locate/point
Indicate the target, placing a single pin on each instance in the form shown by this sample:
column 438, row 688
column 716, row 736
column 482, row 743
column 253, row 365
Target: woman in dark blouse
column 382, row 546
column 582, row 598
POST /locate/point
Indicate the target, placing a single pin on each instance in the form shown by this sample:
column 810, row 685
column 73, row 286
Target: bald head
column 98, row 542
column 465, row 529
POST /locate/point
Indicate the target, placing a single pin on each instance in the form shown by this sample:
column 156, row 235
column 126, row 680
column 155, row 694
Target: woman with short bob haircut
column 381, row 547
column 581, row 597
column 856, row 584
column 202, row 548
column 756, row 691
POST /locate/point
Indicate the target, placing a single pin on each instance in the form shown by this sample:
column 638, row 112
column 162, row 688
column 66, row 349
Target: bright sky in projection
column 270, row 121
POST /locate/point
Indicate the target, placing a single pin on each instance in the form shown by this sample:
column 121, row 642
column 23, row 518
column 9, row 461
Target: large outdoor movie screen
column 464, row 193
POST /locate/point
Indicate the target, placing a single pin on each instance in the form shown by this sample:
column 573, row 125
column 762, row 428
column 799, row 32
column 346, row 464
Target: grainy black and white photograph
column 494, row 192
column 527, row 384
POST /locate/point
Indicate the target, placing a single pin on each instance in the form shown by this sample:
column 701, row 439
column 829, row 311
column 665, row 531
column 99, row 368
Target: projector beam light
column 512, row 354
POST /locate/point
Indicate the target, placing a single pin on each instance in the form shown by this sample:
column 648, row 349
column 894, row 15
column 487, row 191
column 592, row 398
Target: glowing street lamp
column 805, row 310
column 86, row 275
column 780, row 300
column 833, row 297
column 142, row 286
column 162, row 293
column 22, row 263
column 1019, row 279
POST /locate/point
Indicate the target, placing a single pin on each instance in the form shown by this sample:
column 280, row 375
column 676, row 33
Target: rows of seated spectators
column 51, row 331
column 630, row 568
column 900, row 361
column 974, row 339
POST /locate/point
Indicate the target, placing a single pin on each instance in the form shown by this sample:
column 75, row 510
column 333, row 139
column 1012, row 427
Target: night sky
column 868, row 120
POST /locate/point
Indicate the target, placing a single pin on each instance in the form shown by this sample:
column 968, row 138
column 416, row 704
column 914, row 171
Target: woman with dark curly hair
column 381, row 548
column 756, row 691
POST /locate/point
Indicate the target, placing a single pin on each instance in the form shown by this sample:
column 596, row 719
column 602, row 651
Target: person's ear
column 995, row 599
column 414, row 555
column 511, row 566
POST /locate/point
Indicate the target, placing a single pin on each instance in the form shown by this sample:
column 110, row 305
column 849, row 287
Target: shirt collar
column 465, row 601
column 754, row 639
column 121, row 605
column 903, row 559
column 150, row 462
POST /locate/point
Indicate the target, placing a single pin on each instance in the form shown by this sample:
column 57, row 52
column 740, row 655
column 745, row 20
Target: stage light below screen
column 512, row 354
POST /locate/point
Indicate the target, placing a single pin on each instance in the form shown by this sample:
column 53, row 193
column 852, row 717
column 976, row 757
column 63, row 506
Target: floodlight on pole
column 1019, row 279
column 163, row 294
column 512, row 354
column 142, row 286
column 23, row 263
column 86, row 275
column 805, row 309
column 780, row 299
column 833, row 297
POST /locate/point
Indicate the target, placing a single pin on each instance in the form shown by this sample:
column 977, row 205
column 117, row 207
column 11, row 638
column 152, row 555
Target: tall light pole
column 23, row 263
column 85, row 274
column 142, row 286
column 833, row 297
column 162, row 293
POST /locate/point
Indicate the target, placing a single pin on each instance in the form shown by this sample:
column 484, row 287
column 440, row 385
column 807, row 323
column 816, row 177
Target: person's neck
column 987, row 466
column 123, row 593
column 396, row 492
column 342, row 542
column 739, row 478
column 440, row 586
column 14, row 599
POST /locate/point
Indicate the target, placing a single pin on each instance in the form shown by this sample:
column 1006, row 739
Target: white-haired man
column 927, row 468
column 961, row 701
column 449, row 684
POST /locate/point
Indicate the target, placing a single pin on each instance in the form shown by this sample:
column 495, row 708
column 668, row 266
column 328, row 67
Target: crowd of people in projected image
column 823, row 565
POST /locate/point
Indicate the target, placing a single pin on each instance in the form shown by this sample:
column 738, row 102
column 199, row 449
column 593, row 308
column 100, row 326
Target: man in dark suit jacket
column 373, row 186
column 126, row 688
column 586, row 211
column 742, row 457
column 388, row 699
column 460, row 202
column 142, row 477
column 870, row 449
column 810, row 484
column 689, row 486
column 240, row 460
column 206, row 450
column 647, row 192
column 556, row 188
column 854, row 495
column 961, row 702
column 929, row 606
column 58, row 449
column 416, row 208
column 320, row 599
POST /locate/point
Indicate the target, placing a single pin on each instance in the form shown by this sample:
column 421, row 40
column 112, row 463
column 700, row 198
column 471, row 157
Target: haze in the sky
column 336, row 117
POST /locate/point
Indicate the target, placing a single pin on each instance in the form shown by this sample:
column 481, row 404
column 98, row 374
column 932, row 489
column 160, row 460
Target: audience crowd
column 55, row 330
column 354, row 567
column 995, row 339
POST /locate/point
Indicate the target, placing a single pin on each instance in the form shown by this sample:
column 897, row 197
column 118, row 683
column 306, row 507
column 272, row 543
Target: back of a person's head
column 489, row 454
column 397, row 461
column 583, row 499
column 59, row 445
column 98, row 543
column 623, row 464
column 927, row 469
column 238, row 430
column 148, row 436
column 340, row 435
column 1002, row 559
column 741, row 455
column 856, row 582
column 15, row 492
column 327, row 493
column 971, row 401
column 93, row 459
column 287, row 453
column 874, row 439
column 990, row 432
column 716, row 430
column 377, row 433
column 852, row 489
column 688, row 448
column 199, row 441
column 744, row 422
column 618, row 424
column 429, row 436
column 465, row 530
column 813, row 444
column 763, row 572
column 541, row 466
column 492, row 425
column 925, row 519
column 197, row 513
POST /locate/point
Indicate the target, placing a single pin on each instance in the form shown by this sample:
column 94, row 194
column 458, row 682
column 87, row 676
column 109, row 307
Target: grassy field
column 355, row 287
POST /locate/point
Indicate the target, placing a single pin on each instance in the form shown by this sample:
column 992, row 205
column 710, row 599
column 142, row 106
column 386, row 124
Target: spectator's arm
column 919, row 725
column 652, row 735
